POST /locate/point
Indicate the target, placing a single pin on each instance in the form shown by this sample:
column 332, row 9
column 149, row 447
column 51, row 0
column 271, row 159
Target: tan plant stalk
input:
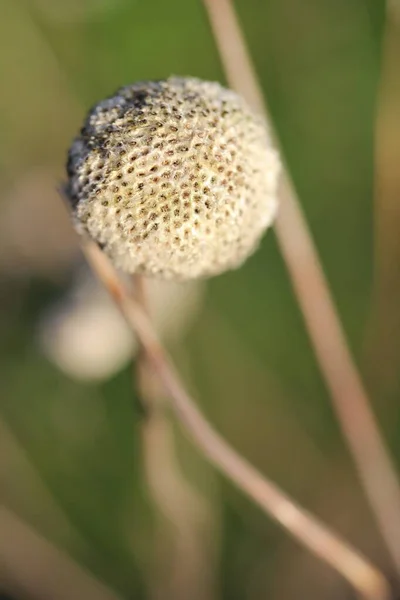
column 182, row 529
column 382, row 346
column 30, row 565
column 362, row 575
column 349, row 397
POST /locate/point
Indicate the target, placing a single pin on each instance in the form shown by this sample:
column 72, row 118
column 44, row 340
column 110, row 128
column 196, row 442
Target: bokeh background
column 73, row 493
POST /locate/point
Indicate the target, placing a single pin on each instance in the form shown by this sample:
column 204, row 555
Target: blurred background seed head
column 69, row 462
column 85, row 335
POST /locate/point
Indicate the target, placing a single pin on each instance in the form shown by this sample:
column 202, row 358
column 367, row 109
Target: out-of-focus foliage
column 69, row 451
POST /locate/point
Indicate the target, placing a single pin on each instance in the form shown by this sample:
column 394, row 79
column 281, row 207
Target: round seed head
column 173, row 178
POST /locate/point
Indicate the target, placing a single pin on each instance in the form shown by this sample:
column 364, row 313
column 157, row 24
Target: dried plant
column 175, row 179
column 178, row 179
column 119, row 204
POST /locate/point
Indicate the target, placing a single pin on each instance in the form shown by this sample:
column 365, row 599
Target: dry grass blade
column 363, row 576
column 349, row 397
column 383, row 347
column 33, row 567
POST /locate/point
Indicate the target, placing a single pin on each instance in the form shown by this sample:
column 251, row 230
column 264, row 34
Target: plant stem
column 185, row 516
column 350, row 400
column 32, row 567
column 362, row 575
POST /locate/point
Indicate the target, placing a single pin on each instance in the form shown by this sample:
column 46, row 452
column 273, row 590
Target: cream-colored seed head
column 174, row 178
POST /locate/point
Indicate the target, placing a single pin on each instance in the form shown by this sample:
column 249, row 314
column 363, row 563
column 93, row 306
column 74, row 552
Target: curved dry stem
column 362, row 575
column 349, row 397
column 185, row 516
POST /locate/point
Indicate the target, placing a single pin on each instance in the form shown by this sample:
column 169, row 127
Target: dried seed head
column 173, row 178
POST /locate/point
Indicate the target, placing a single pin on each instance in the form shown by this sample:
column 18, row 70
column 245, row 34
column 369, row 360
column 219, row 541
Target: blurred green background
column 70, row 450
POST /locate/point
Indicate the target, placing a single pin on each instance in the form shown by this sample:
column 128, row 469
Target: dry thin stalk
column 30, row 565
column 184, row 513
column 181, row 568
column 383, row 348
column 362, row 575
column 349, row 396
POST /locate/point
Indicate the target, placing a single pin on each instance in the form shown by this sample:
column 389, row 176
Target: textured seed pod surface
column 173, row 178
